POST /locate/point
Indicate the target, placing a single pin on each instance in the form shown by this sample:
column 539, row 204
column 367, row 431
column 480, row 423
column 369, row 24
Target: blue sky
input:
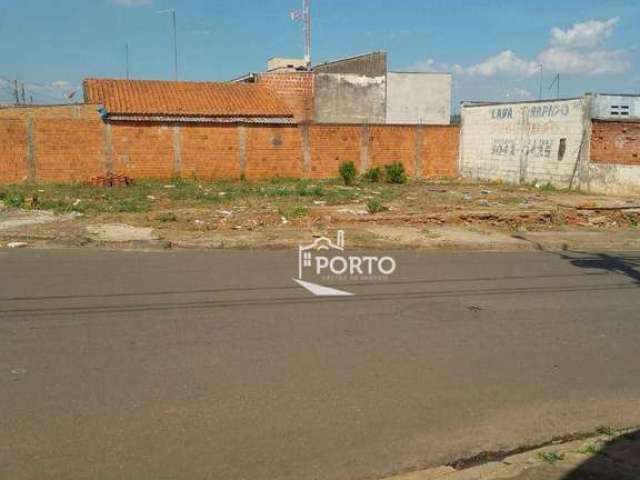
column 493, row 47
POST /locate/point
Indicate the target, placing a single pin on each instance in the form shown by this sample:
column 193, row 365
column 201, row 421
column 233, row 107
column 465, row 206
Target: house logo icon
column 325, row 258
column 305, row 252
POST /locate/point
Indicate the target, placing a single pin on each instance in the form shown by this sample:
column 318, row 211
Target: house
column 358, row 90
column 201, row 102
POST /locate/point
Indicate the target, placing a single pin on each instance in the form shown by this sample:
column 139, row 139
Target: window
column 562, row 148
column 619, row 110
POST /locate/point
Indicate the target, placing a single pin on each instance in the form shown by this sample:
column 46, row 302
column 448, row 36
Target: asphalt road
column 215, row 365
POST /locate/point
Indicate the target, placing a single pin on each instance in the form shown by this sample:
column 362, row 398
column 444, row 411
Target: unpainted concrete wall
column 525, row 142
column 414, row 98
column 615, row 107
column 347, row 98
column 369, row 65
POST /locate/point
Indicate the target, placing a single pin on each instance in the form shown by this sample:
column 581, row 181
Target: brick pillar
column 364, row 148
column 306, row 149
column 177, row 151
column 419, row 138
column 107, row 148
column 242, row 149
column 32, row 160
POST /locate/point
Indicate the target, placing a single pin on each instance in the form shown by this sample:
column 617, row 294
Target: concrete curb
column 532, row 465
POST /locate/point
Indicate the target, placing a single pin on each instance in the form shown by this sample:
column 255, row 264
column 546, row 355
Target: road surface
column 215, row 365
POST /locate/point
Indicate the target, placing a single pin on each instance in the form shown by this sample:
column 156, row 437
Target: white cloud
column 132, row 3
column 574, row 61
column 584, row 34
column 504, row 63
column 518, row 94
column 61, row 84
column 576, row 50
column 430, row 65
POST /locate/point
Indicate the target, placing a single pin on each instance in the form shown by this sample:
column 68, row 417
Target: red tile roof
column 184, row 99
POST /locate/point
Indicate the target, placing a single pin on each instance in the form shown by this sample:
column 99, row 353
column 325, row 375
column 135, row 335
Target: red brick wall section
column 440, row 146
column 143, row 150
column 210, row 152
column 13, row 151
column 68, row 149
column 330, row 146
column 273, row 152
column 615, row 142
column 295, row 89
column 80, row 111
column 390, row 144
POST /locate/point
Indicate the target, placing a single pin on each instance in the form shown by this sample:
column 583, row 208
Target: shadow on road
column 618, row 459
column 623, row 265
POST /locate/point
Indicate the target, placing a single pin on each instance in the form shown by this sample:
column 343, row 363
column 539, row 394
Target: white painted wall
column 614, row 179
column 414, row 98
column 520, row 142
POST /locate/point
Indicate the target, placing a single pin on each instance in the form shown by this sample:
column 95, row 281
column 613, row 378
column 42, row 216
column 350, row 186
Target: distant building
column 589, row 143
column 203, row 102
column 358, row 89
column 286, row 64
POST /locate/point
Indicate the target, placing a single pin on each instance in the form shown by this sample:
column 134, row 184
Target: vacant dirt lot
column 284, row 212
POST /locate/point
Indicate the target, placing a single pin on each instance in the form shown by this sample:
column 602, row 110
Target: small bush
column 394, row 173
column 15, row 201
column 293, row 212
column 375, row 205
column 551, row 457
column 165, row 217
column 373, row 175
column 348, row 172
column 305, row 190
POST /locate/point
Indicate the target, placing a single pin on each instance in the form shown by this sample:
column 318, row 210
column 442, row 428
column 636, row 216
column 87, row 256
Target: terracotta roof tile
column 202, row 99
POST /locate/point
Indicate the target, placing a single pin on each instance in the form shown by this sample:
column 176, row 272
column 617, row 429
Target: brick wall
column 391, row 144
column 58, row 149
column 143, row 150
column 615, row 142
column 439, row 151
column 295, row 89
column 273, row 152
column 210, row 152
column 330, row 145
column 13, row 151
column 79, row 111
column 67, row 149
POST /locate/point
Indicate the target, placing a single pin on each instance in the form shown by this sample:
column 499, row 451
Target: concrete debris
column 118, row 232
column 16, row 244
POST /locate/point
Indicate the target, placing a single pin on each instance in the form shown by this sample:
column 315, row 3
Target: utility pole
column 556, row 82
column 175, row 40
column 126, row 49
column 540, row 97
column 306, row 9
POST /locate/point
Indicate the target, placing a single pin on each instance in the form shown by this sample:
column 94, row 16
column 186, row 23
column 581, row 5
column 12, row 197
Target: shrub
column 165, row 217
column 394, row 173
column 373, row 175
column 375, row 205
column 15, row 201
column 348, row 172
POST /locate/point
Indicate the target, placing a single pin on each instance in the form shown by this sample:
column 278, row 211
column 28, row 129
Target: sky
column 493, row 48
